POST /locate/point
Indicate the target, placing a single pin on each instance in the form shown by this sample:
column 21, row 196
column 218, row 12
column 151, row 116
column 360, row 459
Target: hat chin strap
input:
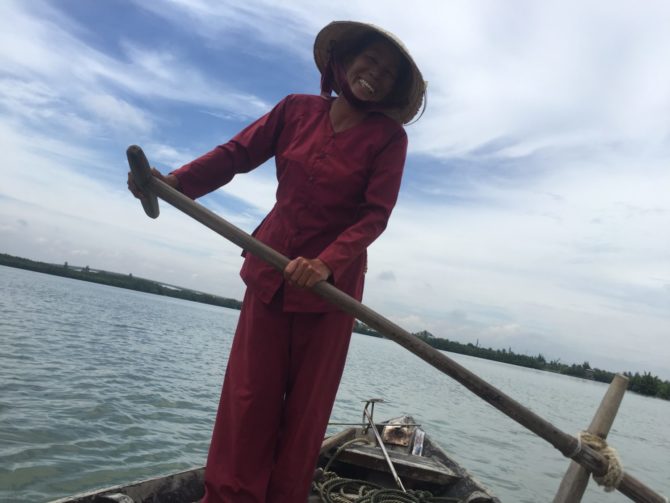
column 334, row 74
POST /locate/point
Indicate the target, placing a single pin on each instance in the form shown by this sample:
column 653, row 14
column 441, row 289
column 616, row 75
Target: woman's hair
column 347, row 53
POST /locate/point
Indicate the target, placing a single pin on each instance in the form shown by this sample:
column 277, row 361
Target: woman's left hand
column 305, row 272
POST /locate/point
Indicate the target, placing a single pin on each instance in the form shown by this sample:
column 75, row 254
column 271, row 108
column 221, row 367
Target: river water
column 100, row 386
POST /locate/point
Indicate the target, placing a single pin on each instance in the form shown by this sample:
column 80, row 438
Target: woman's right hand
column 171, row 180
column 305, row 273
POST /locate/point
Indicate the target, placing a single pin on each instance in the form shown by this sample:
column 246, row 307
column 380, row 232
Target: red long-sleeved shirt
column 335, row 191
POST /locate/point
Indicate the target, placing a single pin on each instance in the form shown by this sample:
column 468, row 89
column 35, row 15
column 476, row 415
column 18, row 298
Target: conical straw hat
column 345, row 32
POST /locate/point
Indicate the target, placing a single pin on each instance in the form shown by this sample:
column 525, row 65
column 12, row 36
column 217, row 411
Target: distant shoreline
column 645, row 384
column 127, row 281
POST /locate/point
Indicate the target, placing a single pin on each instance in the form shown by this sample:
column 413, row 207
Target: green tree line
column 127, row 281
column 645, row 384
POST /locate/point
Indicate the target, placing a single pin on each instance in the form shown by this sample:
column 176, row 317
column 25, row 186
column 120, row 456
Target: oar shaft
column 565, row 443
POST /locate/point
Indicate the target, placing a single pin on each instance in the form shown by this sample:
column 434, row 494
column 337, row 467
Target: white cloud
column 117, row 113
column 286, row 25
column 160, row 74
column 166, row 156
column 51, row 72
column 257, row 188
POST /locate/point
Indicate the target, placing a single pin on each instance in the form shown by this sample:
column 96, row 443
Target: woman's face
column 372, row 73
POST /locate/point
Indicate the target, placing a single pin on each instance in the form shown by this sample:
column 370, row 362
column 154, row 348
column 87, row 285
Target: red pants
column 282, row 377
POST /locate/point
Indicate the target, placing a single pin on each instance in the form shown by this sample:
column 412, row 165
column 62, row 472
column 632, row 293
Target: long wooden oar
column 566, row 444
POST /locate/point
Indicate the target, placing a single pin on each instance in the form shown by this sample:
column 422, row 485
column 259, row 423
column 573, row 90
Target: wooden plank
column 424, row 469
column 186, row 486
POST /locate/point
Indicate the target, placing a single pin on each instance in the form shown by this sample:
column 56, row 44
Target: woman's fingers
column 157, row 174
column 171, row 180
column 294, row 271
column 306, row 273
column 133, row 188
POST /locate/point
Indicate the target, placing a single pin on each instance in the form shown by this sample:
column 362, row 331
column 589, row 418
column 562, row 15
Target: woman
column 339, row 166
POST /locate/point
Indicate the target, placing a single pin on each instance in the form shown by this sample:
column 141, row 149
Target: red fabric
column 334, row 197
column 280, row 385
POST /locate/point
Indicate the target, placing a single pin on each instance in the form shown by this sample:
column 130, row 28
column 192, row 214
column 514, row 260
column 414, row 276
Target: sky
column 534, row 212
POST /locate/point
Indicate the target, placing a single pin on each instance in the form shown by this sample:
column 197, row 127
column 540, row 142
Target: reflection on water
column 100, row 386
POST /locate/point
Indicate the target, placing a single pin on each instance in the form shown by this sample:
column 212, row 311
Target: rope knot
column 614, row 475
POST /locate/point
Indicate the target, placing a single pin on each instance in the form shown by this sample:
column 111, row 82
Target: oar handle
column 139, row 166
column 565, row 443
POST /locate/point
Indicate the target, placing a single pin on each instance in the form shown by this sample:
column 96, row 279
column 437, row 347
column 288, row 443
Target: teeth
column 367, row 86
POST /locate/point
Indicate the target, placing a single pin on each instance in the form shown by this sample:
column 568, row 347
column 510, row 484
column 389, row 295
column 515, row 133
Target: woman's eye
column 389, row 75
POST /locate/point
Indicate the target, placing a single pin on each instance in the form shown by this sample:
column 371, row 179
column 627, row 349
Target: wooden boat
column 409, row 465
column 351, row 463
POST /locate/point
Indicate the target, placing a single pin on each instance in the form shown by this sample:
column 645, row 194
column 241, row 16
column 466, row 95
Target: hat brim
column 343, row 32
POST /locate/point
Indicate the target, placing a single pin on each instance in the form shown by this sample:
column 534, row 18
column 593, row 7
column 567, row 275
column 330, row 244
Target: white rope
column 614, row 475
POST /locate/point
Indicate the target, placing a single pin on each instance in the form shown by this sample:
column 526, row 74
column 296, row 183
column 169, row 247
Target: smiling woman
column 339, row 165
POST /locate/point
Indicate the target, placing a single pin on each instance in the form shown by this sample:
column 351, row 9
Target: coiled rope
column 335, row 489
column 614, row 475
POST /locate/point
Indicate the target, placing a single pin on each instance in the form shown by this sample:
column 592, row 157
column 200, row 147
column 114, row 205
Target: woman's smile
column 367, row 86
column 372, row 74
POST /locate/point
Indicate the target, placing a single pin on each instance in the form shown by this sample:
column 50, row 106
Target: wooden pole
column 565, row 443
column 576, row 478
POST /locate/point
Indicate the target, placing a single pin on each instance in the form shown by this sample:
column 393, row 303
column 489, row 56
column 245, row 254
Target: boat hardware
column 371, row 404
column 381, row 443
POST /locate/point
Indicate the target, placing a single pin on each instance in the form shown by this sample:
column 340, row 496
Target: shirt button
column 311, row 179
